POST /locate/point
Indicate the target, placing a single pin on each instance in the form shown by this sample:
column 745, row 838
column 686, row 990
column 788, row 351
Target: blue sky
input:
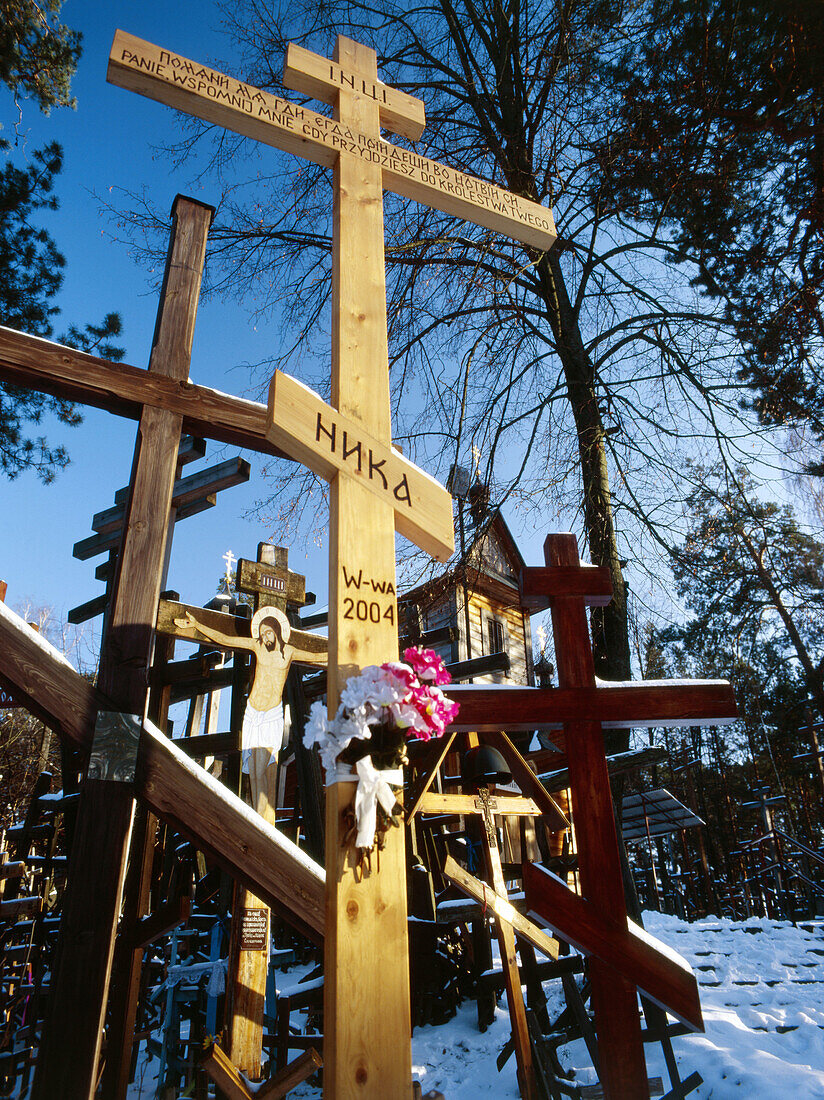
column 110, row 144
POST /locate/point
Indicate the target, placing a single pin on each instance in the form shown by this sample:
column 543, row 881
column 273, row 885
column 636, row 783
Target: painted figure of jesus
column 262, row 732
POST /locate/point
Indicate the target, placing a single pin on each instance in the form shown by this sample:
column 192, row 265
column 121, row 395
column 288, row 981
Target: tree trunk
column 609, row 625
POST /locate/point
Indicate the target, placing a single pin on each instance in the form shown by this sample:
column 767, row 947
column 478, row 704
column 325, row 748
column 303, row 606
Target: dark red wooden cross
column 621, row 961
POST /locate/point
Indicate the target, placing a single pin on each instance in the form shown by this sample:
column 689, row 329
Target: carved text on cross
column 329, row 442
column 179, row 82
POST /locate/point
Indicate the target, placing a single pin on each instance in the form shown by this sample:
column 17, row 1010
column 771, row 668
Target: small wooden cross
column 597, row 922
column 487, row 806
column 269, row 580
column 271, row 584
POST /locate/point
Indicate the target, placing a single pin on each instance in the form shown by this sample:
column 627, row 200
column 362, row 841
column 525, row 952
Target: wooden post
column 68, row 1059
column 128, row 959
column 506, row 944
column 367, row 1050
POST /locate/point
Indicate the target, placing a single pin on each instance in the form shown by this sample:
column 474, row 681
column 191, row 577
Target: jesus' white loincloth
column 262, row 729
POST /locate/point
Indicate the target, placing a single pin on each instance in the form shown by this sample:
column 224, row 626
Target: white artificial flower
column 374, row 686
column 317, row 726
column 408, row 717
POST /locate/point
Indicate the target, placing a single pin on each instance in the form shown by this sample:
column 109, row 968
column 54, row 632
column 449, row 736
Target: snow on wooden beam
column 177, row 789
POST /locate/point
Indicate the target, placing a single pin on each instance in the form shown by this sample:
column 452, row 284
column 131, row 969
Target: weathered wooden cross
column 374, row 490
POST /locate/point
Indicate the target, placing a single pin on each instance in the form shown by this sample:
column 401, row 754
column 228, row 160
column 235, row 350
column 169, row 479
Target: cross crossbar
column 304, row 71
column 645, row 962
column 160, row 74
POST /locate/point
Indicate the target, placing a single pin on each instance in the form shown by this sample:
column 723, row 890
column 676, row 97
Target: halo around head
column 271, row 613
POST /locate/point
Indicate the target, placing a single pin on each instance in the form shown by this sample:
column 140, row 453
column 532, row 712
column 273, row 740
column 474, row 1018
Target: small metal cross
column 230, row 559
column 486, row 806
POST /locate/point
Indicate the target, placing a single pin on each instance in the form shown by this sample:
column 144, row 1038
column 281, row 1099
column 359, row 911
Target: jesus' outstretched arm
column 189, row 622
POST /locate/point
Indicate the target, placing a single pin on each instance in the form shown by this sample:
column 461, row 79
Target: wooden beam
column 502, row 908
column 271, row 582
column 291, row 1076
column 93, row 896
column 220, row 1070
column 176, row 672
column 329, row 442
column 527, row 1077
column 232, row 625
column 541, row 586
column 209, row 744
column 85, row 946
column 190, row 450
column 178, row 790
column 160, row 922
column 479, row 666
column 178, row 82
column 186, row 490
column 614, row 999
column 46, row 684
column 15, row 908
column 38, row 364
column 110, row 540
column 427, row 770
column 619, row 764
column 367, row 1024
column 631, row 952
column 504, row 805
column 618, row 706
column 88, row 610
column 528, row 781
column 15, row 869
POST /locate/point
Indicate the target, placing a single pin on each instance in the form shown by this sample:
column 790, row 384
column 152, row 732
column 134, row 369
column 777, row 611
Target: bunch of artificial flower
column 395, row 696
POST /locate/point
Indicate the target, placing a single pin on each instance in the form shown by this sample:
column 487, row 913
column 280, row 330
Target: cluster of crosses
column 374, row 491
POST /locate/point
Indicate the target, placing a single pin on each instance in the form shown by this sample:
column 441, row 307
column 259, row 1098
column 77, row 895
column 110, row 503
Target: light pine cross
column 374, row 490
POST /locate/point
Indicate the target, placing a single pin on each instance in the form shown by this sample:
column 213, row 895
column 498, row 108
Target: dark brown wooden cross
column 92, row 903
column 597, row 921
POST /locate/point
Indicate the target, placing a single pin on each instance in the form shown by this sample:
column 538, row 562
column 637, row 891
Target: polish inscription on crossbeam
column 160, row 74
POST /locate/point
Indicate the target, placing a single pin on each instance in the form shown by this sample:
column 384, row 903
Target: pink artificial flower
column 427, row 664
column 401, row 672
column 434, row 708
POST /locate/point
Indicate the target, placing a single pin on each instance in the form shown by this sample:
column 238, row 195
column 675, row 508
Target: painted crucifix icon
column 274, row 650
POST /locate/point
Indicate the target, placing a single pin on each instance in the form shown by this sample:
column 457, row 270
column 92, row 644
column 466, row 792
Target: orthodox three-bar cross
column 374, row 489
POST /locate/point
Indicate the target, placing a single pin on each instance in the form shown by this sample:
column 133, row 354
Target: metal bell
column 484, row 766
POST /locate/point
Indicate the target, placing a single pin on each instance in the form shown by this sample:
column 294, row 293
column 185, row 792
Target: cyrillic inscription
column 362, row 458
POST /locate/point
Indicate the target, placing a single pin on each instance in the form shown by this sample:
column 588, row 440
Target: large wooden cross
column 374, row 490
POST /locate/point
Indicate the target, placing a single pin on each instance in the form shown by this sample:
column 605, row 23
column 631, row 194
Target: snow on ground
column 762, row 994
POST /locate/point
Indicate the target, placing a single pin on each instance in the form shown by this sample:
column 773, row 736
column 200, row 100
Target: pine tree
column 38, row 57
